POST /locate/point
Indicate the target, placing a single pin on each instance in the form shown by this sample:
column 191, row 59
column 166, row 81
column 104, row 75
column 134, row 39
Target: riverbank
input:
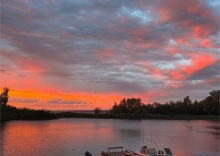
column 12, row 113
column 140, row 116
column 9, row 112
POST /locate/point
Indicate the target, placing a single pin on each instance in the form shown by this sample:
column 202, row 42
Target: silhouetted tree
column 211, row 103
column 4, row 96
column 187, row 104
column 97, row 110
column 208, row 106
column 127, row 106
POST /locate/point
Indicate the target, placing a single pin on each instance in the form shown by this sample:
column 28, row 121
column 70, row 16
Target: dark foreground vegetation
column 12, row 113
column 208, row 106
column 207, row 109
column 137, row 116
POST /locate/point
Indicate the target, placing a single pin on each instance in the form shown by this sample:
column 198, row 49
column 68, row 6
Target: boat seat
column 168, row 152
column 152, row 152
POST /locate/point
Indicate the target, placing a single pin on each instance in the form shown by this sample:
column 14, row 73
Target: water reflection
column 215, row 130
column 75, row 136
column 129, row 137
column 129, row 133
column 3, row 125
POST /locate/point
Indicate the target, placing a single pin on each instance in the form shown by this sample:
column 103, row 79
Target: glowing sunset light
column 79, row 55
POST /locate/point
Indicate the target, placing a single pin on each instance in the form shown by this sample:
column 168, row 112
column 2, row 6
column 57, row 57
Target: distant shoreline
column 78, row 111
column 9, row 113
column 141, row 116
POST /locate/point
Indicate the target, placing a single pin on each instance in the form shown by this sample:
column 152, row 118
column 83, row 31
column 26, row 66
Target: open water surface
column 73, row 137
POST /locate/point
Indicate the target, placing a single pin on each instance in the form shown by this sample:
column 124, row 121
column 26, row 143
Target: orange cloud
column 105, row 101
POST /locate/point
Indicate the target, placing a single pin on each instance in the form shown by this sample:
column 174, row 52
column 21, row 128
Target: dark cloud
column 3, row 70
column 207, row 73
column 23, row 100
column 61, row 101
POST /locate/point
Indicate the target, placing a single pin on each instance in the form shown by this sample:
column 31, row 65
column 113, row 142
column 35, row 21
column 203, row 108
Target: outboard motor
column 161, row 153
column 88, row 154
column 144, row 150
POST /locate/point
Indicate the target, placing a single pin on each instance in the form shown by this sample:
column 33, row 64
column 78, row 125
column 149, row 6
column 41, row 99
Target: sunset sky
column 82, row 54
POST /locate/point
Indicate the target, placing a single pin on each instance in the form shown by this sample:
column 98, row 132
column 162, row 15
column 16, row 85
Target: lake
column 73, row 137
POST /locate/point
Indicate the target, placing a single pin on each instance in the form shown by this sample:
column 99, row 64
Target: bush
column 97, row 110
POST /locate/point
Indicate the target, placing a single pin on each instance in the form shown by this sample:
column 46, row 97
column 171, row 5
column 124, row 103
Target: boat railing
column 111, row 148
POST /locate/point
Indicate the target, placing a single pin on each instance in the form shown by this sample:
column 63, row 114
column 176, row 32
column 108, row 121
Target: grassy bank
column 141, row 116
column 12, row 113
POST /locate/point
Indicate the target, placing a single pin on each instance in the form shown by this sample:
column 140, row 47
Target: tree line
column 9, row 112
column 134, row 106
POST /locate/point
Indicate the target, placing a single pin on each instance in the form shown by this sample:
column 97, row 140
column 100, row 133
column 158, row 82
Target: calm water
column 72, row 137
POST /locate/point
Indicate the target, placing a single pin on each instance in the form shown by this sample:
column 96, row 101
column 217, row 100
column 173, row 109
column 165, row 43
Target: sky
column 83, row 54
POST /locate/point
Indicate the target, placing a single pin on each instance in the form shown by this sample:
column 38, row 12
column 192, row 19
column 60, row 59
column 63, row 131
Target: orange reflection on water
column 75, row 136
column 27, row 137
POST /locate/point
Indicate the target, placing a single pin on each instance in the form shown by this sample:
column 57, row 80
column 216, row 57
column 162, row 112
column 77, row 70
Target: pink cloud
column 183, row 14
column 199, row 61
